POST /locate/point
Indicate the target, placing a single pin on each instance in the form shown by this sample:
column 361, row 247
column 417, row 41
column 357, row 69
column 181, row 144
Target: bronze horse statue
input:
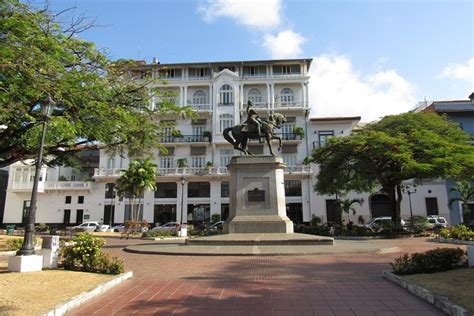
column 240, row 136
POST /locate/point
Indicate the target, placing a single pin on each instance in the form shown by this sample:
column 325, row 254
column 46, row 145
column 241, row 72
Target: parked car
column 435, row 221
column 92, row 226
column 170, row 227
column 217, row 225
column 376, row 224
column 119, row 228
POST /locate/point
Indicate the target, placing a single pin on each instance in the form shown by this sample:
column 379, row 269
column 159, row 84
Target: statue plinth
column 257, row 196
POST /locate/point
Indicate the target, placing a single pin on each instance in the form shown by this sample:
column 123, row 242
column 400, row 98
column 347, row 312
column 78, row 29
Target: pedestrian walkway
column 337, row 284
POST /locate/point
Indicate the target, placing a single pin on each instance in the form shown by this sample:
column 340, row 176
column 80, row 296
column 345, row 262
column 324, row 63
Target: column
column 303, row 93
column 181, row 202
column 215, row 197
column 272, row 95
column 185, row 100
column 180, row 95
column 268, row 95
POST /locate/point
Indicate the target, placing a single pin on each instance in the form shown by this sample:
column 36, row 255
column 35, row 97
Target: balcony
column 288, row 136
column 200, row 107
column 67, row 185
column 183, row 171
column 298, row 169
column 207, row 77
column 101, row 173
column 26, row 186
column 281, row 75
column 185, row 139
column 290, row 104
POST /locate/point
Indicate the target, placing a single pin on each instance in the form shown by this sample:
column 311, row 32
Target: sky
column 370, row 58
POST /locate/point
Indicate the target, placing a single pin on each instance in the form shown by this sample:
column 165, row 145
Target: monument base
column 259, row 224
column 31, row 263
column 272, row 239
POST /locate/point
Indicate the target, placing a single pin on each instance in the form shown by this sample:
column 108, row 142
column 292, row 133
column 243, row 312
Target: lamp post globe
column 28, row 247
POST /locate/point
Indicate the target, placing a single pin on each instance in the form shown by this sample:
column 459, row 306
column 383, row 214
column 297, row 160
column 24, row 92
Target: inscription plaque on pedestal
column 256, row 195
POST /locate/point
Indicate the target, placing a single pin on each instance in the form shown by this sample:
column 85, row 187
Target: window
column 199, row 73
column 287, row 96
column 225, row 121
column 110, row 190
column 255, row 71
column 225, row 189
column 68, row 199
column 170, row 73
column 226, row 155
column 80, row 199
column 197, row 134
column 289, row 159
column 255, row 95
column 226, row 95
column 286, row 69
column 167, row 134
column 166, row 190
column 199, row 98
column 198, row 161
column 323, row 137
column 431, row 206
column 332, row 211
column 292, row 188
column 130, row 209
column 287, row 130
column 199, row 189
column 111, row 163
column 166, row 162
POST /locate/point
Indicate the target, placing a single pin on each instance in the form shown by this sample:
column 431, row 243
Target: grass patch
column 457, row 285
column 34, row 293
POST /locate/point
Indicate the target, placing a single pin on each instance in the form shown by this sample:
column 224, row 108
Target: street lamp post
column 28, row 247
column 406, row 189
column 183, row 230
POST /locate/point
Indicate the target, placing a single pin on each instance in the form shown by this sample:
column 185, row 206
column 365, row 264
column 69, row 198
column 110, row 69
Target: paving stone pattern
column 340, row 284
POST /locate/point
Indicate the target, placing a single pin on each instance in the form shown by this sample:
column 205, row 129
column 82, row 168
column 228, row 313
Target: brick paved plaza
column 341, row 284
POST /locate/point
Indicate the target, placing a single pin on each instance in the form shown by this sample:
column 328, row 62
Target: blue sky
column 371, row 58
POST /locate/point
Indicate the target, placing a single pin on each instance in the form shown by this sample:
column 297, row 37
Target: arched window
column 226, row 95
column 199, row 97
column 287, row 96
column 255, row 95
column 225, row 121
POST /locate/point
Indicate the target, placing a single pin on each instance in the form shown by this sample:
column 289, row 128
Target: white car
column 376, row 224
column 435, row 221
column 168, row 227
column 92, row 226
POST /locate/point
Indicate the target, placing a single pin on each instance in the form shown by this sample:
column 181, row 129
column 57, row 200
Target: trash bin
column 10, row 229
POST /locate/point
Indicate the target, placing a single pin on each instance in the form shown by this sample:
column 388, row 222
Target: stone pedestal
column 257, row 196
column 50, row 251
column 25, row 263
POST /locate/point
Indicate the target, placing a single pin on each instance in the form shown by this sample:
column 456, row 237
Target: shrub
column 315, row 220
column 215, row 218
column 16, row 243
column 316, row 230
column 41, row 228
column 420, row 224
column 157, row 233
column 460, row 232
column 86, row 255
column 436, row 260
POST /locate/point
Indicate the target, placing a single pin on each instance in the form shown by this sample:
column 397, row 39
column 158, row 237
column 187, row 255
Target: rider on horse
column 253, row 120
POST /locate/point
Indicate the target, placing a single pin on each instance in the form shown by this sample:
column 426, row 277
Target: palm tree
column 466, row 194
column 347, row 205
column 138, row 178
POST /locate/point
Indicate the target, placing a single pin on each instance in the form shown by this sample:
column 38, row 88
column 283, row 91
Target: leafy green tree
column 347, row 206
column 397, row 148
column 466, row 195
column 135, row 181
column 97, row 100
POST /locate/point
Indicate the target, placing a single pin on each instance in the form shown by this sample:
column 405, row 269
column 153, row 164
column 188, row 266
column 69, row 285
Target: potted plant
column 298, row 131
column 176, row 133
column 182, row 162
column 208, row 135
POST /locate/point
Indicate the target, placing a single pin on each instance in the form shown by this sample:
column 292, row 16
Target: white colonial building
column 193, row 181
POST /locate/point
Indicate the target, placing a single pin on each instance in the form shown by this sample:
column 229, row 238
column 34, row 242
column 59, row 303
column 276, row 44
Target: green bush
column 315, row 220
column 41, row 228
column 155, row 233
column 460, row 232
column 436, row 260
column 215, row 218
column 16, row 243
column 86, row 255
column 316, row 230
column 420, row 224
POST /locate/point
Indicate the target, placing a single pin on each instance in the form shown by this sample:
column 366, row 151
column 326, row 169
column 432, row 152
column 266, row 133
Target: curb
column 452, row 241
column 83, row 297
column 439, row 301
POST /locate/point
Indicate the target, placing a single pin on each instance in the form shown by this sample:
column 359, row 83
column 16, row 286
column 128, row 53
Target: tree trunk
column 138, row 208
column 393, row 200
column 398, row 205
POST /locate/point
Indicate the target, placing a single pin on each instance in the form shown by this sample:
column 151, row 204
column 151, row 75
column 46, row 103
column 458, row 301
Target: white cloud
column 286, row 44
column 262, row 14
column 337, row 89
column 461, row 71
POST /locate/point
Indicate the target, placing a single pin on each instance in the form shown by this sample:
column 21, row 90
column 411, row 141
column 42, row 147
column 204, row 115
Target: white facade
column 219, row 93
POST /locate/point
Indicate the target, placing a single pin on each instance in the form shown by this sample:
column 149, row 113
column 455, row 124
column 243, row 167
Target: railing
column 200, row 107
column 246, row 76
column 27, row 186
column 291, row 104
column 65, row 185
column 184, row 139
column 107, row 172
column 288, row 136
column 183, row 171
column 287, row 75
column 208, row 77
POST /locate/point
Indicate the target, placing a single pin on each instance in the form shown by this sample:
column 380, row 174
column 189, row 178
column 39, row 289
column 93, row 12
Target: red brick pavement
column 299, row 285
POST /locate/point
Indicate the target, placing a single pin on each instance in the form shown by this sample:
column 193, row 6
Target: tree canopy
column 397, row 148
column 96, row 101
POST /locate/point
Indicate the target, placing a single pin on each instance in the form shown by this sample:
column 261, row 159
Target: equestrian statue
column 254, row 127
